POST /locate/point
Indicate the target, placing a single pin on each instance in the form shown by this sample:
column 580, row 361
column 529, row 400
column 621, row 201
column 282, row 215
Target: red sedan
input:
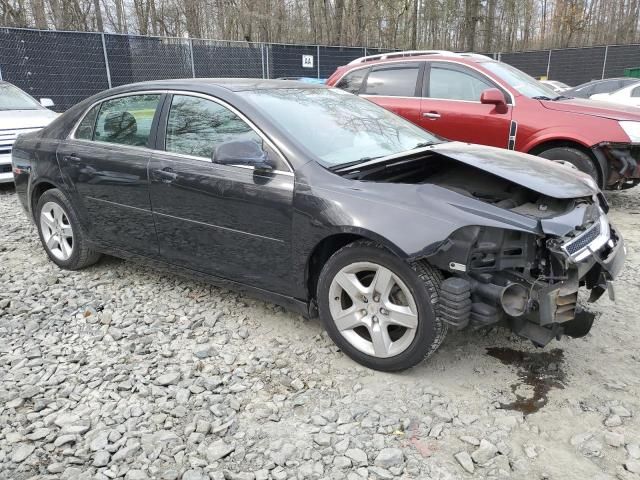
column 473, row 98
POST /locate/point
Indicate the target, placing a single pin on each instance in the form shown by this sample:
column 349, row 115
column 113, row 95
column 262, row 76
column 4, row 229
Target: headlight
column 632, row 129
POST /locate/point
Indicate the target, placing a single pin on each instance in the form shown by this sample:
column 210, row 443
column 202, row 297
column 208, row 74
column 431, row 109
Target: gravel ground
column 118, row 371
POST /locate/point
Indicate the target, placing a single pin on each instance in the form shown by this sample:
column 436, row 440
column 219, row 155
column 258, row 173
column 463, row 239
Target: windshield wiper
column 542, row 97
column 562, row 97
column 340, row 166
column 423, row 144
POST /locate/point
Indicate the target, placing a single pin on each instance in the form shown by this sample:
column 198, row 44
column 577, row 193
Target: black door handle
column 72, row 158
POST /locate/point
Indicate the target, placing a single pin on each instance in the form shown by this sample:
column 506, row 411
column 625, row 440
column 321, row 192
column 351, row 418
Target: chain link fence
column 70, row 66
column 574, row 66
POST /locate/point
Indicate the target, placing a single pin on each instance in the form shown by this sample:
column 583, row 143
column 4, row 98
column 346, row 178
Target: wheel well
column 321, row 253
column 37, row 192
column 538, row 149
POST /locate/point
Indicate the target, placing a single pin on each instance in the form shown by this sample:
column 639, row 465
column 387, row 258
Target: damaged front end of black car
column 529, row 276
column 531, row 281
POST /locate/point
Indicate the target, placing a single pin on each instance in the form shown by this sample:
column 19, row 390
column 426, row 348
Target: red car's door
column 395, row 86
column 451, row 107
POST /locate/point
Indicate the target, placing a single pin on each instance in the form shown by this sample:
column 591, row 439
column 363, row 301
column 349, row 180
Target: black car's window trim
column 156, row 126
column 465, row 69
column 511, row 99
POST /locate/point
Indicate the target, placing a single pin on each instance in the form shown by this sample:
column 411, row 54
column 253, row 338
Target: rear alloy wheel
column 575, row 157
column 60, row 232
column 378, row 309
column 57, row 232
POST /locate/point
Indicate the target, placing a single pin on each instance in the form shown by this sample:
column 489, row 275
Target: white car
column 19, row 113
column 628, row 96
column 555, row 85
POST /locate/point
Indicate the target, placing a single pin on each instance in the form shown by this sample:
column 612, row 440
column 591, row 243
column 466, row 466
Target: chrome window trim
column 208, row 160
column 243, row 117
column 432, row 60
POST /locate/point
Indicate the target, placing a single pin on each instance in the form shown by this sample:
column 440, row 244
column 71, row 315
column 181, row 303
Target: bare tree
column 486, row 25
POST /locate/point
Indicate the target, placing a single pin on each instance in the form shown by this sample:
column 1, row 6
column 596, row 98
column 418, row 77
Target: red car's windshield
column 520, row 81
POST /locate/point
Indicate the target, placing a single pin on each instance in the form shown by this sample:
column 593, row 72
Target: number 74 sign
column 307, row 61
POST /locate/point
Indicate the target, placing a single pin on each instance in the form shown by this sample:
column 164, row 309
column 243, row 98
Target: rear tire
column 581, row 160
column 398, row 324
column 60, row 232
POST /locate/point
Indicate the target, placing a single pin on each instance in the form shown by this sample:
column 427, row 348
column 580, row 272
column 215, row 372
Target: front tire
column 381, row 311
column 581, row 160
column 60, row 232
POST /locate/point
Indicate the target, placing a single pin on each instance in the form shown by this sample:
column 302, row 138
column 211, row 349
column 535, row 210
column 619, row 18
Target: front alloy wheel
column 373, row 309
column 380, row 310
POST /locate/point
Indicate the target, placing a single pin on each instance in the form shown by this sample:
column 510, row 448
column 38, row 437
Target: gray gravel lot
column 118, row 371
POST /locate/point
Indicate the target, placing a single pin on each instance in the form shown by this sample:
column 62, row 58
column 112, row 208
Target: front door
column 451, row 107
column 105, row 164
column 226, row 220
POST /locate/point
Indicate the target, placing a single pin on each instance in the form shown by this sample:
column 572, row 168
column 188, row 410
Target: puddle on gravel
column 538, row 372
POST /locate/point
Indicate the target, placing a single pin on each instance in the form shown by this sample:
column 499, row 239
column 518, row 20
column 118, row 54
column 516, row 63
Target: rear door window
column 393, row 80
column 127, row 120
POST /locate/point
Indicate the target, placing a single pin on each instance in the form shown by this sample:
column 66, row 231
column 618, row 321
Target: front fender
column 555, row 135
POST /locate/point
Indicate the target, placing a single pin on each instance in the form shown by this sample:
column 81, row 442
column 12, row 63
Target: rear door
column 395, row 86
column 450, row 106
column 231, row 221
column 105, row 162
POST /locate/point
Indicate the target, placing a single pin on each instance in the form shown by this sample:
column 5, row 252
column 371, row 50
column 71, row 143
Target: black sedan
column 325, row 203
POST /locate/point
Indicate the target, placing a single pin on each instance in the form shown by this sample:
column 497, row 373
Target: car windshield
column 520, row 81
column 337, row 127
column 12, row 98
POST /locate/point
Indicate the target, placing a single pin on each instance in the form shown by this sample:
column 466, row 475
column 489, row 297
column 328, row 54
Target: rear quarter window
column 352, row 81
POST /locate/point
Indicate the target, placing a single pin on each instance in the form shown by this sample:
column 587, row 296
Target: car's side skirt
column 290, row 303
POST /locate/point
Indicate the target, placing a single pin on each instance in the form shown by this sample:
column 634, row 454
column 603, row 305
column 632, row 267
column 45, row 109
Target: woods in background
column 469, row 25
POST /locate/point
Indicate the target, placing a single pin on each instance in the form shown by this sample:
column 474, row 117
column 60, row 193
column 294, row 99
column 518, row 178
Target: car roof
column 466, row 58
column 231, row 84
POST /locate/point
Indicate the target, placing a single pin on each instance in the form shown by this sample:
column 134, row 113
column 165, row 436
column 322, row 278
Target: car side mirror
column 47, row 102
column 493, row 96
column 243, row 153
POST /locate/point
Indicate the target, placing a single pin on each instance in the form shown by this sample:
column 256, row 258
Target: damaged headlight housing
column 632, row 129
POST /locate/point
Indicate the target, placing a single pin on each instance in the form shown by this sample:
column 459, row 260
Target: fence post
column 262, row 58
column 318, row 50
column 549, row 63
column 106, row 59
column 193, row 65
column 604, row 63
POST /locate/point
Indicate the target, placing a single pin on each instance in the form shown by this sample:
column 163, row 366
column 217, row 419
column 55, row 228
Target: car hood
column 595, row 108
column 19, row 119
column 543, row 176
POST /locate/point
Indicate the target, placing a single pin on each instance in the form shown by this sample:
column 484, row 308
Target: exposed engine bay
column 528, row 280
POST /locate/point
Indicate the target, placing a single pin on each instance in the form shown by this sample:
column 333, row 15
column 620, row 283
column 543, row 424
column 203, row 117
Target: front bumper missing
column 620, row 164
column 546, row 307
column 558, row 311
